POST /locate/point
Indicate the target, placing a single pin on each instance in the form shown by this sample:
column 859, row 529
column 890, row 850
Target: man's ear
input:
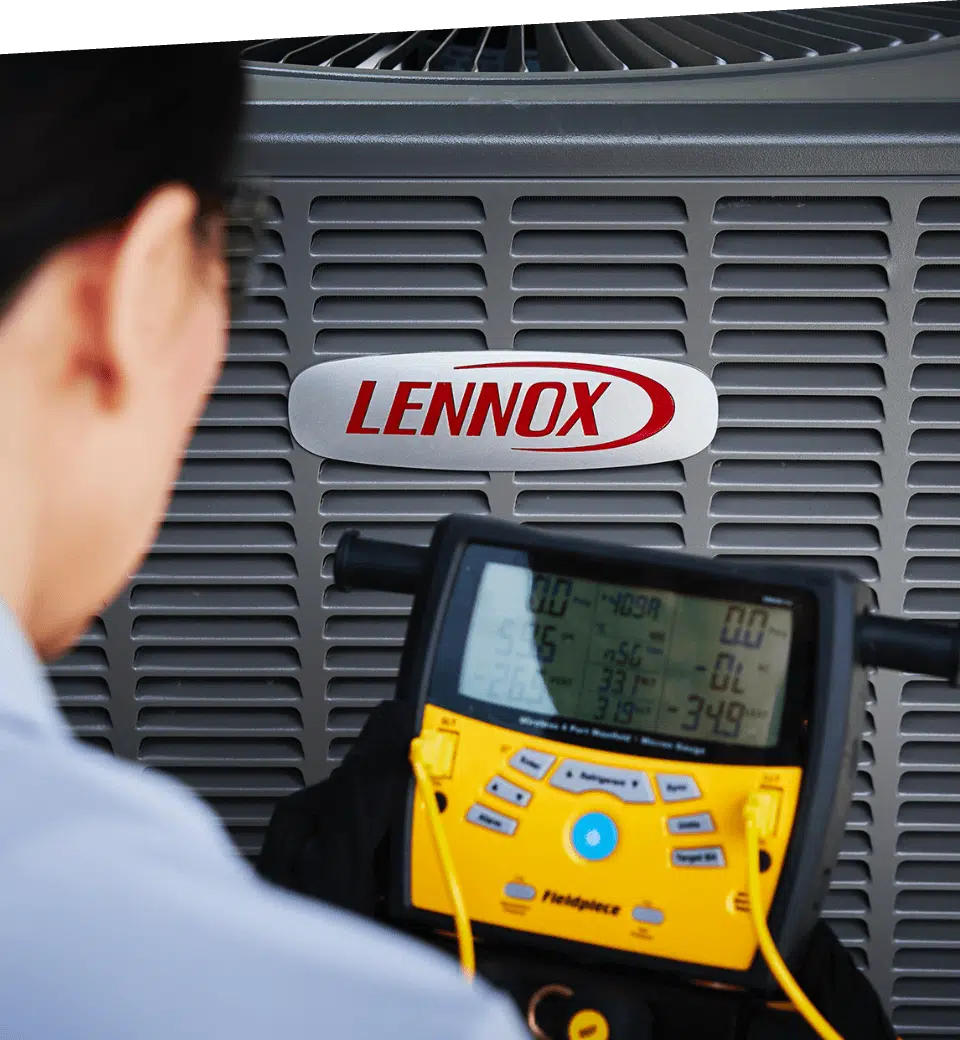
column 153, row 274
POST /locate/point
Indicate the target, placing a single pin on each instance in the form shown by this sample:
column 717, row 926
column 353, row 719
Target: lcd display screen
column 639, row 659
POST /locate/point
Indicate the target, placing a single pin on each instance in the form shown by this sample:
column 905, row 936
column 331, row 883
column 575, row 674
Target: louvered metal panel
column 927, row 931
column 235, row 666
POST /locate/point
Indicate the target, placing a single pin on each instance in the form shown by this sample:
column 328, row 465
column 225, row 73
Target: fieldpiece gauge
column 597, row 718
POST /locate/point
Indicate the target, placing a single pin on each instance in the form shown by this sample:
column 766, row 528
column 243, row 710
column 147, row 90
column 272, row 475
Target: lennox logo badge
column 499, row 410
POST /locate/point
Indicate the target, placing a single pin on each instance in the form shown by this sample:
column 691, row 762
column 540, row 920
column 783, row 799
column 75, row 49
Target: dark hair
column 87, row 135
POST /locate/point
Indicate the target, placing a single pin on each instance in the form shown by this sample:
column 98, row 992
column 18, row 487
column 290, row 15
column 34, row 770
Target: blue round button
column 594, row 836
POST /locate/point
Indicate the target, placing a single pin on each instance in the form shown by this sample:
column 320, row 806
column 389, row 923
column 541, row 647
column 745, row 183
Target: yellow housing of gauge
column 635, row 854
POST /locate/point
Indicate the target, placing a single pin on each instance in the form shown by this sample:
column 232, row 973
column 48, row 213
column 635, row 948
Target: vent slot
column 224, row 721
column 754, row 209
column 200, row 690
column 209, row 658
column 264, row 309
column 930, row 753
column 225, row 536
column 417, row 245
column 939, row 210
column 937, row 312
column 802, row 278
column 794, row 473
column 257, row 377
column 942, row 278
column 935, row 442
column 249, row 409
column 941, row 410
column 363, row 627
column 600, row 245
column 934, row 474
column 257, row 343
column 794, row 505
column 786, row 245
column 664, row 474
column 354, row 474
column 365, row 658
column 398, row 278
column 927, row 692
column 734, row 409
column 729, row 376
column 647, row 535
column 160, row 751
column 571, row 211
column 825, row 310
column 857, row 538
column 630, row 343
column 932, row 602
column 379, row 211
column 802, row 343
column 824, row 443
column 239, row 440
column 244, row 473
column 939, row 245
column 598, row 310
column 82, row 659
column 220, row 505
column 928, row 784
column 936, row 377
column 198, row 629
column 370, row 691
column 400, row 310
column 354, row 342
column 933, row 539
column 405, row 503
column 937, row 345
column 591, row 504
column 934, row 507
column 600, row 278
column 81, row 690
column 87, row 720
column 252, row 567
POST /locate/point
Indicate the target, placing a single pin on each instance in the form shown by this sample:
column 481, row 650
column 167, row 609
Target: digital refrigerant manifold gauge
column 597, row 717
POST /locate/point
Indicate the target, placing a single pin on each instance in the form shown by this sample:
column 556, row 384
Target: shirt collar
column 27, row 698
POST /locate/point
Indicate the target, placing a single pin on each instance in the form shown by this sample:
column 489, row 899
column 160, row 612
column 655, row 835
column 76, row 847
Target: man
column 125, row 912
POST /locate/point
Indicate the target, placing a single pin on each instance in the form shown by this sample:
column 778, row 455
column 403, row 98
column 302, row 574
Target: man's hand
column 328, row 842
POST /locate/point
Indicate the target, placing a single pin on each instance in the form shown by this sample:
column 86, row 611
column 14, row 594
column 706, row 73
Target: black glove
column 329, row 842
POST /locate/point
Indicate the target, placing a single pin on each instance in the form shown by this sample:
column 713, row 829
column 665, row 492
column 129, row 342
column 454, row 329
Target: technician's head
column 113, row 310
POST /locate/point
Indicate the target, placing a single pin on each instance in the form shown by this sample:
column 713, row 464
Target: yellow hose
column 755, row 811
column 468, row 962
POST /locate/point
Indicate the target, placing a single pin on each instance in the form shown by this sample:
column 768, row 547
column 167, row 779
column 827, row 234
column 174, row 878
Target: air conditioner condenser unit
column 773, row 199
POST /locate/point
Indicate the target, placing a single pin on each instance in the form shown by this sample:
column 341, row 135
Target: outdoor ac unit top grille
column 632, row 44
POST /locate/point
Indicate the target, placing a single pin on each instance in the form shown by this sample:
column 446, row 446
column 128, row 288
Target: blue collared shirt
column 126, row 914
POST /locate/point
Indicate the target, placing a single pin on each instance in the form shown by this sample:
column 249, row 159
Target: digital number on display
column 634, row 658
